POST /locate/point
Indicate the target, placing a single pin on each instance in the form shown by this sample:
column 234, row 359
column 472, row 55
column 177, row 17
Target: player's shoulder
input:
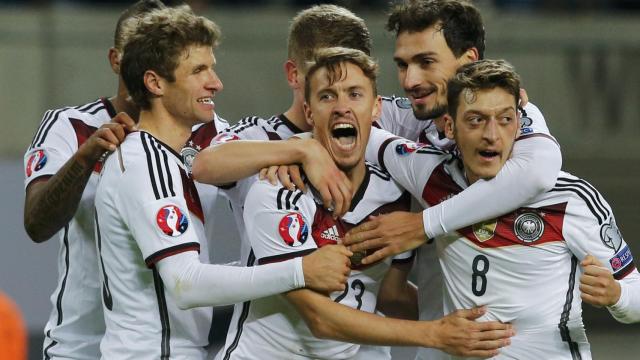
column 381, row 182
column 82, row 119
column 263, row 194
column 247, row 128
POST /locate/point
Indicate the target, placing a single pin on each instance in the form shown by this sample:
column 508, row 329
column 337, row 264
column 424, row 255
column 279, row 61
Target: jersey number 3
column 358, row 287
column 480, row 268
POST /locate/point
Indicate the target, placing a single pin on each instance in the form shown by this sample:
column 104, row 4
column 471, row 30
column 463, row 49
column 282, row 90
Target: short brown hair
column 136, row 10
column 459, row 20
column 323, row 26
column 333, row 58
column 482, row 74
column 158, row 41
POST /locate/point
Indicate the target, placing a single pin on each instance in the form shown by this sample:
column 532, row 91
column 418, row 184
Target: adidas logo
column 331, row 234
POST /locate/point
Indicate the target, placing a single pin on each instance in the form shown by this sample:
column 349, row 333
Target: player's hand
column 289, row 176
column 459, row 334
column 333, row 185
column 327, row 269
column 597, row 285
column 391, row 234
column 106, row 138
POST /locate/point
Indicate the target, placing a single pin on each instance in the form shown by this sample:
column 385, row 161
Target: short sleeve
column 53, row 145
column 278, row 222
column 155, row 210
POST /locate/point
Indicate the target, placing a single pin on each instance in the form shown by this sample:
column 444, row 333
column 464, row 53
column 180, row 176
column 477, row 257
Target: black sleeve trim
column 284, row 257
column 383, row 147
column 152, row 259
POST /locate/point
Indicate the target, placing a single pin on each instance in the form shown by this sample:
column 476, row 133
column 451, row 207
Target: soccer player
column 433, row 39
column 523, row 265
column 157, row 290
column 61, row 167
column 341, row 102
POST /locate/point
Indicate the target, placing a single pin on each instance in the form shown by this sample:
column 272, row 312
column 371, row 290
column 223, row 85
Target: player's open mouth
column 344, row 135
column 488, row 154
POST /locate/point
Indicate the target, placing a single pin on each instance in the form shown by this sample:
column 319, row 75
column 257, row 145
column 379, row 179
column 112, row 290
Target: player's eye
column 401, row 65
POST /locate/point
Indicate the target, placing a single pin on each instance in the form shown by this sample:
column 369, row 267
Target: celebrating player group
column 505, row 251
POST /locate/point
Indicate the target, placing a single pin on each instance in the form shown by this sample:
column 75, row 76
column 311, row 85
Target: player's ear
column 154, row 83
column 291, row 71
column 449, row 126
column 114, row 59
column 307, row 114
column 469, row 56
column 377, row 109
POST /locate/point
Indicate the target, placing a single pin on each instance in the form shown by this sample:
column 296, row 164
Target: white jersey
column 147, row 209
column 523, row 265
column 284, row 224
column 76, row 324
column 398, row 118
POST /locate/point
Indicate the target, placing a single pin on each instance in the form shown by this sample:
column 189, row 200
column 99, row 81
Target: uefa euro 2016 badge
column 224, row 137
column 293, row 230
column 407, row 148
column 172, row 221
column 485, row 230
column 37, row 160
column 529, row 227
column 403, row 103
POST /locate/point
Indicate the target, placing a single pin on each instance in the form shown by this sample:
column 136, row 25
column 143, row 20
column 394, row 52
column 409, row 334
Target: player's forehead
column 345, row 75
column 412, row 44
column 491, row 101
column 195, row 55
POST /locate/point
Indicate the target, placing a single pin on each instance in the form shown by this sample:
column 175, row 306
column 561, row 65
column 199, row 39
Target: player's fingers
column 524, row 98
column 117, row 130
column 338, row 200
column 378, row 255
column 125, row 120
column 357, row 233
column 104, row 144
column 592, row 300
column 471, row 314
column 296, row 177
column 343, row 250
column 107, row 135
column 367, row 242
column 272, row 175
column 283, row 175
column 499, row 340
column 325, row 195
column 588, row 260
column 486, row 329
column 263, row 173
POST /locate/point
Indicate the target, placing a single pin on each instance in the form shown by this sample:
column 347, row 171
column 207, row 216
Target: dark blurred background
column 577, row 58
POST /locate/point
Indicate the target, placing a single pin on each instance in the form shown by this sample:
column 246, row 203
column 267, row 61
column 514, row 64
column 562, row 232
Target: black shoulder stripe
column 152, row 178
column 97, row 110
column 45, row 118
column 589, row 195
column 379, row 172
column 284, row 200
column 46, row 126
column 85, row 107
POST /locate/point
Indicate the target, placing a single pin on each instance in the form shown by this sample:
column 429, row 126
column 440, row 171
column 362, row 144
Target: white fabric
column 76, row 324
column 285, row 224
column 193, row 283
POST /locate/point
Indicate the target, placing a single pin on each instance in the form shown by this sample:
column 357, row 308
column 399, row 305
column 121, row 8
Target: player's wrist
column 88, row 156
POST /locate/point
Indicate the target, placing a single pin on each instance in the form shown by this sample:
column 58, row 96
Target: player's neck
column 122, row 103
column 163, row 126
column 295, row 114
column 356, row 175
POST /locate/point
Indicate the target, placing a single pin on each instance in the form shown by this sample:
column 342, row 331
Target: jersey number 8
column 480, row 268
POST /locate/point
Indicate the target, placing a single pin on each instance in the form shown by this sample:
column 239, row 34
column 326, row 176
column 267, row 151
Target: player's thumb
column 590, row 260
column 473, row 313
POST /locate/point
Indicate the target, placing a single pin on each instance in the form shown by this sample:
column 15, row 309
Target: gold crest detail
column 485, row 230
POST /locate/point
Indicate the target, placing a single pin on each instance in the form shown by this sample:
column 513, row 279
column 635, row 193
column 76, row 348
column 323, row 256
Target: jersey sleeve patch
column 37, row 161
column 622, row 263
column 172, row 221
column 224, row 137
column 407, row 148
column 293, row 229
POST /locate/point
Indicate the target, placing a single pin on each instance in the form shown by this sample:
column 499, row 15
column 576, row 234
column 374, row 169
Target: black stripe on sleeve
column 564, row 317
column 284, row 257
column 591, row 191
column 243, row 315
column 381, row 151
column 156, row 153
column 165, row 344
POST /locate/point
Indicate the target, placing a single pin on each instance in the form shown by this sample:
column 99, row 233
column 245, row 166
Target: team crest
column 172, row 221
column 188, row 154
column 407, row 148
column 529, row 227
column 293, row 230
column 224, row 138
column 403, row 103
column 36, row 162
column 485, row 230
column 610, row 236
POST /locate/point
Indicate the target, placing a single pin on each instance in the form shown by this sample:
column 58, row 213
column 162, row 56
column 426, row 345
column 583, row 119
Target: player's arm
column 231, row 161
column 531, row 170
column 51, row 201
column 456, row 333
column 609, row 275
column 398, row 297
